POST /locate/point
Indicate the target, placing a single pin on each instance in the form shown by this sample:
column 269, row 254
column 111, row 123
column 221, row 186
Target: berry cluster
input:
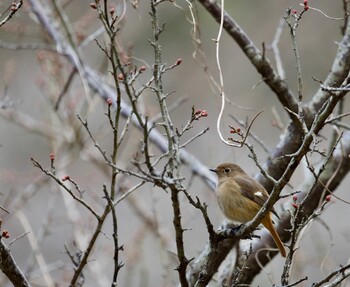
column 199, row 114
column 14, row 6
column 306, row 7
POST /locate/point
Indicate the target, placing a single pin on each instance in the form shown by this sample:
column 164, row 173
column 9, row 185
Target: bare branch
column 60, row 183
column 10, row 268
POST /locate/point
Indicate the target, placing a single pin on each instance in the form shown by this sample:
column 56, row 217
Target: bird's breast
column 233, row 204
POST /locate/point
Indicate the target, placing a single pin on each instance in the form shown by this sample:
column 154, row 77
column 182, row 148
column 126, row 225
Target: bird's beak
column 213, row 170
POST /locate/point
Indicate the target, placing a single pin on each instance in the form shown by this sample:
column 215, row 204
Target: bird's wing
column 252, row 190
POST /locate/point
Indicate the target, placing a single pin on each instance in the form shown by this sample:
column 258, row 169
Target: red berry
column 5, row 233
column 238, row 130
column 204, row 113
column 198, row 112
column 295, row 198
column 120, row 77
column 294, row 11
column 52, row 156
column 109, row 102
column 328, row 197
column 295, row 205
column 178, row 61
column 66, row 178
column 112, row 10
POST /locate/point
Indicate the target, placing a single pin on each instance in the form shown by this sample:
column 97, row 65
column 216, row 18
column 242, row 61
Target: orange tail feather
column 267, row 222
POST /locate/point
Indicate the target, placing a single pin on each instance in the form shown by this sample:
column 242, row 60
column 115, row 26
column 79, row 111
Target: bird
column 240, row 198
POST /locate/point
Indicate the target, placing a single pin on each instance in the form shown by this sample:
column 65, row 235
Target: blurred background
column 32, row 79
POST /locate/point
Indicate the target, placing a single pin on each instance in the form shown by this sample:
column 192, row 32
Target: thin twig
column 55, row 178
column 242, row 142
column 127, row 193
column 252, row 135
column 338, row 271
column 276, row 50
column 194, row 138
column 324, row 14
column 14, row 9
column 17, row 238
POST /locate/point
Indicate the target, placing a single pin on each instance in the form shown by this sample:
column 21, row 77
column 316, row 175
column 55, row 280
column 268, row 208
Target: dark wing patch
column 252, row 190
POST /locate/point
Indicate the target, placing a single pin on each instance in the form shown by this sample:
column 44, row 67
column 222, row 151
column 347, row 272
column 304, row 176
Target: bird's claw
column 234, row 230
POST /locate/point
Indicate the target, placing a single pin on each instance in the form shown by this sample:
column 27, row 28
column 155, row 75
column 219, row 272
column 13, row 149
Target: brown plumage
column 240, row 198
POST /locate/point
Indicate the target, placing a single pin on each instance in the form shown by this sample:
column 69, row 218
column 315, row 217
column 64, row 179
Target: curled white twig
column 324, row 14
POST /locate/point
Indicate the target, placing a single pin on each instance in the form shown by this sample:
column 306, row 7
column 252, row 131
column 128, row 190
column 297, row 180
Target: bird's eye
column 227, row 170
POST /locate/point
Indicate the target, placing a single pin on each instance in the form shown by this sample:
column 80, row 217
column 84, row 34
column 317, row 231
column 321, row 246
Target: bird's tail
column 267, row 222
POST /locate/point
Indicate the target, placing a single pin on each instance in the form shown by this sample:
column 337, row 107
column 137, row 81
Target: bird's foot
column 235, row 231
column 230, row 230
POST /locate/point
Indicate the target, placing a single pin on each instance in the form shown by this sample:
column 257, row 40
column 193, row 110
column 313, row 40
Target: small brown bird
column 240, row 198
